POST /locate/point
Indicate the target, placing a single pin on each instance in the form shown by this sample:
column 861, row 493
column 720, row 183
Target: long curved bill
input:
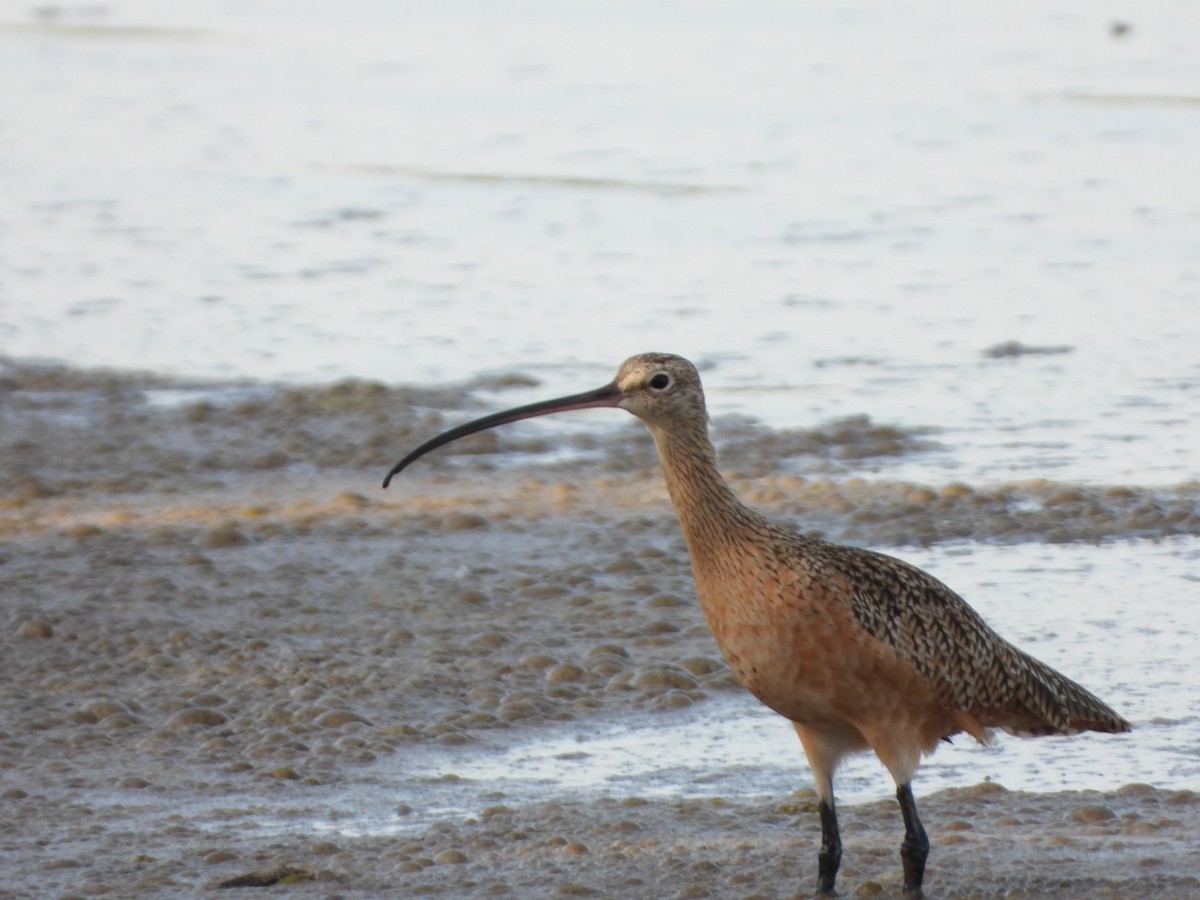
column 609, row 395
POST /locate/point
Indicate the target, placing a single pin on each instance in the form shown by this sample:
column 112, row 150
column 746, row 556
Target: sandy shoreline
column 211, row 661
column 166, row 657
column 1135, row 842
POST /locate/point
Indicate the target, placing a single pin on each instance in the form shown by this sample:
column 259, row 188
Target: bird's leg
column 823, row 751
column 830, row 856
column 915, row 847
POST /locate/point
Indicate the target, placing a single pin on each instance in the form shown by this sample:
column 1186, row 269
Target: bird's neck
column 710, row 513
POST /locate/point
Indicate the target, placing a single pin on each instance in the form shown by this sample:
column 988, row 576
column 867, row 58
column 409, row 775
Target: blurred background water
column 834, row 207
column 981, row 218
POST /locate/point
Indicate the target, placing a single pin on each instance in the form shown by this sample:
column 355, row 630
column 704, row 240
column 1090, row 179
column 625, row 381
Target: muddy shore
column 212, row 618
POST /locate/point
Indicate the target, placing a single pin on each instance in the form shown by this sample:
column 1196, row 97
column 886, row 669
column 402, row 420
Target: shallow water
column 733, row 747
column 1145, row 669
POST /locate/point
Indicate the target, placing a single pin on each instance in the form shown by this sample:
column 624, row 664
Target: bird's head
column 659, row 388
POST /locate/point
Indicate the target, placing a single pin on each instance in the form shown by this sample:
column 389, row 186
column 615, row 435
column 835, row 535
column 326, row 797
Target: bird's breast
column 790, row 637
column 786, row 640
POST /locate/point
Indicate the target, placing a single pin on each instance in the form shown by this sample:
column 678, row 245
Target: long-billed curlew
column 858, row 649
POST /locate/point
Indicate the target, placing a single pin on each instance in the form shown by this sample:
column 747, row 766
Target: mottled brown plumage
column 858, row 649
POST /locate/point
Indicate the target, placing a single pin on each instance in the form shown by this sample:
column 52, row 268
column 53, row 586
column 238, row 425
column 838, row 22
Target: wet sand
column 216, row 629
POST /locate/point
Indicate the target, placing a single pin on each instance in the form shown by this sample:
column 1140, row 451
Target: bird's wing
column 970, row 667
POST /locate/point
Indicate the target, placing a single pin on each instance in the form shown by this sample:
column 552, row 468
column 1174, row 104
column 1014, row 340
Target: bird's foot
column 914, row 849
column 914, row 871
column 825, row 880
column 829, row 859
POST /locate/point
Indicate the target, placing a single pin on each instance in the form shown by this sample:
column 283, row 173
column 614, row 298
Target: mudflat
column 217, row 629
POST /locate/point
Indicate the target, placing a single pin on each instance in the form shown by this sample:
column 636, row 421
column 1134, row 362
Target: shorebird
column 859, row 650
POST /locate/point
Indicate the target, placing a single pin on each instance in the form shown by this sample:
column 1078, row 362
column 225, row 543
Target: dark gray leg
column 830, row 856
column 915, row 847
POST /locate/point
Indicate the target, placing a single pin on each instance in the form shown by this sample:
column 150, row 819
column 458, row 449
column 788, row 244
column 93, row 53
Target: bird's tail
column 1057, row 705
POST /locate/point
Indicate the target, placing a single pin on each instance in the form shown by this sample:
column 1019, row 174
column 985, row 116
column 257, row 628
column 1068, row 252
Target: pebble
column 336, row 718
column 666, row 601
column 701, row 665
column 197, row 715
column 1091, row 813
column 119, row 720
column 514, row 711
column 462, row 521
column 563, row 673
column 98, row 710
column 663, row 677
column 671, row 700
column 35, row 629
column 227, row 534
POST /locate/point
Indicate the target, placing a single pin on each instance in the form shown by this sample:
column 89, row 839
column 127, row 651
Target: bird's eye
column 660, row 381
